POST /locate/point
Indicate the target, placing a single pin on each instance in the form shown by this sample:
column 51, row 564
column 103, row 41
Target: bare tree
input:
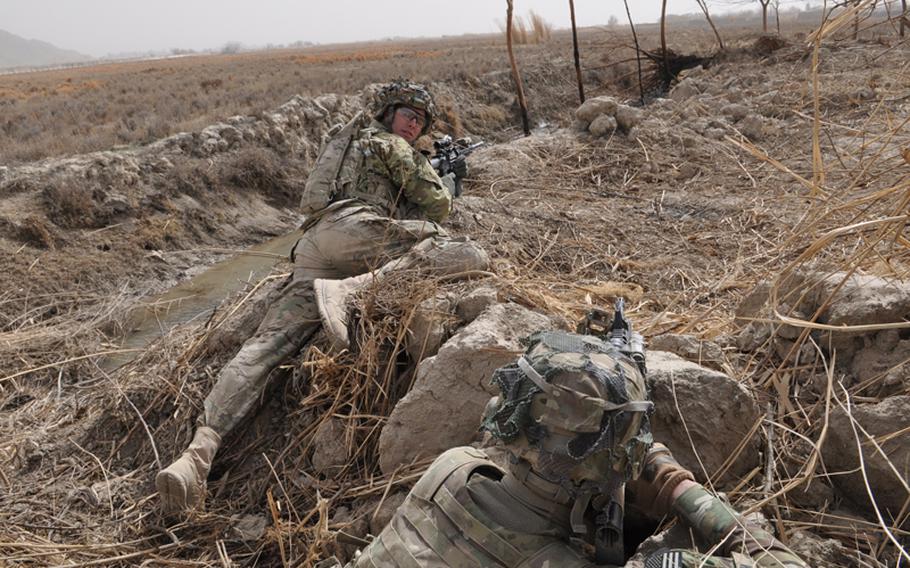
column 764, row 9
column 764, row 14
column 516, row 76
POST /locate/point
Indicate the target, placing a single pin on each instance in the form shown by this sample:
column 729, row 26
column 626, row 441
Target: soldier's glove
column 717, row 522
column 653, row 490
column 460, row 167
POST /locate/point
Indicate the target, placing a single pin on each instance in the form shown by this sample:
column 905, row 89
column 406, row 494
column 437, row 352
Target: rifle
column 617, row 330
column 448, row 152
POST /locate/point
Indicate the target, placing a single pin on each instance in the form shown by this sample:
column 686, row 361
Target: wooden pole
column 581, row 86
column 641, row 86
column 904, row 16
column 516, row 76
column 777, row 15
column 663, row 38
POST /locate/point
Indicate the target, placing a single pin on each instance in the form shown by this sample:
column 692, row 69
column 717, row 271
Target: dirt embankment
column 682, row 210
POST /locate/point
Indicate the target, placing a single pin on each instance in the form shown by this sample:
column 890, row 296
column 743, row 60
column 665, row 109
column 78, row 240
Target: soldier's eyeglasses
column 412, row 116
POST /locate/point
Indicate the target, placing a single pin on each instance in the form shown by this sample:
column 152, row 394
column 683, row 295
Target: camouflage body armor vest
column 440, row 525
column 333, row 168
column 347, row 170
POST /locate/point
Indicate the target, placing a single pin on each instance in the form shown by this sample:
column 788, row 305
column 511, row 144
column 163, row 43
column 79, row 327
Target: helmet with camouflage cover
column 575, row 408
column 404, row 92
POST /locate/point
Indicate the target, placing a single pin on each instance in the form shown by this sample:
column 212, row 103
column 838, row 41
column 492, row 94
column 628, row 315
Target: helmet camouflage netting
column 404, row 92
column 571, row 397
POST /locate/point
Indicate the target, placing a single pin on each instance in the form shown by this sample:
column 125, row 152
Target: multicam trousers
column 345, row 243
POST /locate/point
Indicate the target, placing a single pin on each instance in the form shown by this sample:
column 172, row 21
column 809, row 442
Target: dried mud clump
column 601, row 116
column 768, row 44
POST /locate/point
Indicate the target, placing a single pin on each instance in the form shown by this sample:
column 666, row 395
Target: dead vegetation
column 532, row 29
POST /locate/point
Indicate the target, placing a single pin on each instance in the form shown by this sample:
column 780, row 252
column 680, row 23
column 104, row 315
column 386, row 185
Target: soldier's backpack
column 334, row 165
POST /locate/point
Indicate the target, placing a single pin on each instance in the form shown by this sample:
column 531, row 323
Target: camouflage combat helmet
column 575, row 407
column 404, row 92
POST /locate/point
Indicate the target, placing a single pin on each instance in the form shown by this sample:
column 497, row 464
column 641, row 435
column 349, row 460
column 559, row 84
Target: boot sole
column 172, row 491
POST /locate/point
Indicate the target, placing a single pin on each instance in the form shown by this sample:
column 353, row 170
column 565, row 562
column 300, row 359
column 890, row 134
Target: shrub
column 262, row 170
column 189, row 177
column 69, row 205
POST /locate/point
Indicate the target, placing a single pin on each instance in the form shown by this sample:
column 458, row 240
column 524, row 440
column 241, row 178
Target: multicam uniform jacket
column 382, row 172
column 457, row 516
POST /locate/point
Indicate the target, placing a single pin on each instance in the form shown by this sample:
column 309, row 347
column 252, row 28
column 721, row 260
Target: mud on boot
column 181, row 485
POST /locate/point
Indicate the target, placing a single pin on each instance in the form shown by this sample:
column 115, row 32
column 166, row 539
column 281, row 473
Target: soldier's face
column 408, row 122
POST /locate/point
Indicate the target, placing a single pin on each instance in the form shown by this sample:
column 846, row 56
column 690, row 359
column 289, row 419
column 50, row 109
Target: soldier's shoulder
column 391, row 142
column 448, row 463
column 456, row 458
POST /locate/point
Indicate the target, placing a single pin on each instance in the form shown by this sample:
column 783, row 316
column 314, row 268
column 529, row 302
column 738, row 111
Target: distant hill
column 20, row 52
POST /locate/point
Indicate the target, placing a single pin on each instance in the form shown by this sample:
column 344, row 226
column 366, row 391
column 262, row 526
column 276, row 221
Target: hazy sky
column 99, row 27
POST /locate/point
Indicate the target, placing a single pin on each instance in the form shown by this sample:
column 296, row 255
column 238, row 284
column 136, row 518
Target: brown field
column 93, row 108
column 83, row 109
column 684, row 219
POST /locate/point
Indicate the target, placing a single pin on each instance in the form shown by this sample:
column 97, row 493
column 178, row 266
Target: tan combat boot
column 332, row 300
column 181, row 485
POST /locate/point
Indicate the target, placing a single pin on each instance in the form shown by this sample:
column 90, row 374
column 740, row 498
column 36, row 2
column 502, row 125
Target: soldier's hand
column 460, row 167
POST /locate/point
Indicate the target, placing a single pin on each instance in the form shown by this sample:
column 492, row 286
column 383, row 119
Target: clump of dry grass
column 541, row 30
column 70, row 205
column 533, row 29
column 265, row 171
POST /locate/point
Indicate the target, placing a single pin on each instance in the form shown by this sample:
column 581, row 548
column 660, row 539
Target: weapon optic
column 448, row 152
column 617, row 330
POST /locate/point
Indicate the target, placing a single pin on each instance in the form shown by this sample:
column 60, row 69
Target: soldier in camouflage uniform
column 573, row 418
column 374, row 204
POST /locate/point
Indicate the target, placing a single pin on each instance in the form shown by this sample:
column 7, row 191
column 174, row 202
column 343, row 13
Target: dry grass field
column 684, row 215
column 93, row 108
column 84, row 109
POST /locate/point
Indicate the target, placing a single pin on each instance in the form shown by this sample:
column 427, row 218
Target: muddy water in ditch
column 198, row 296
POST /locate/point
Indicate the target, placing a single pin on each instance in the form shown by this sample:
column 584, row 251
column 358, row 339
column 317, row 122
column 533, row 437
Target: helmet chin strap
column 550, row 494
